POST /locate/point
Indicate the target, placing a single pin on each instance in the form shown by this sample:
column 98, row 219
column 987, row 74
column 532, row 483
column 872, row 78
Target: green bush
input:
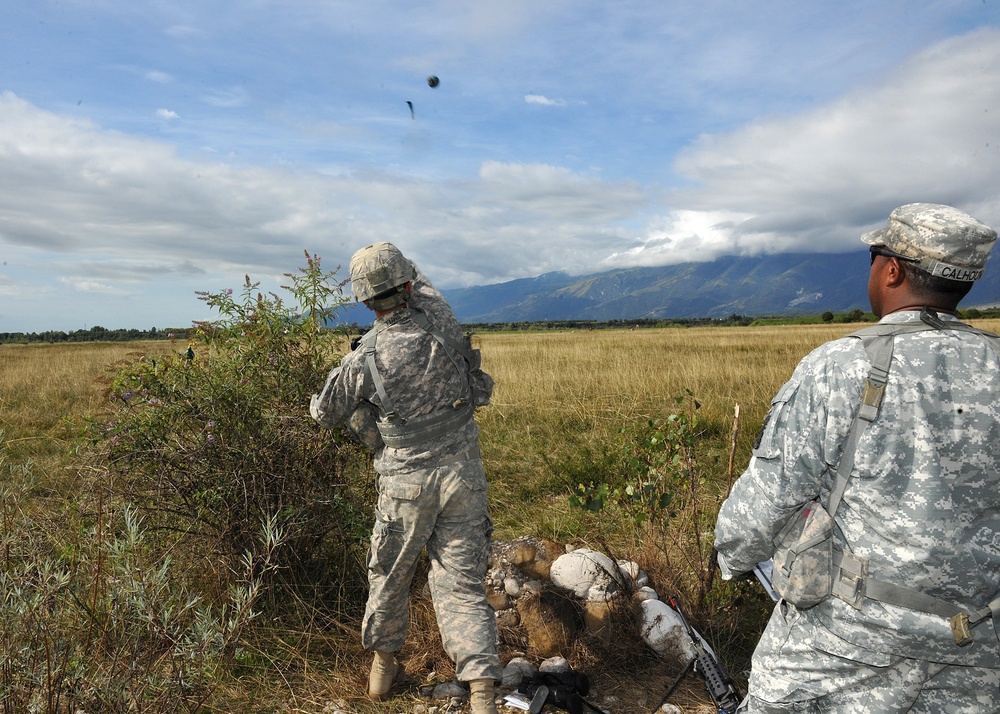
column 215, row 442
column 654, row 479
column 90, row 621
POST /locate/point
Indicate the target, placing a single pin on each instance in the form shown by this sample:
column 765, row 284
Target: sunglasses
column 876, row 250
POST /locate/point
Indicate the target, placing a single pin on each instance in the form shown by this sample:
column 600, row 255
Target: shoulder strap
column 421, row 319
column 878, row 343
column 879, row 349
column 368, row 343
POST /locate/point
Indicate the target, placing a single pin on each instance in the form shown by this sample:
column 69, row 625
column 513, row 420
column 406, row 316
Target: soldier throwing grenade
column 408, row 391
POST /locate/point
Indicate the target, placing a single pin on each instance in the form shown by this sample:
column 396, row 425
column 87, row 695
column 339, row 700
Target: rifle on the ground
column 720, row 685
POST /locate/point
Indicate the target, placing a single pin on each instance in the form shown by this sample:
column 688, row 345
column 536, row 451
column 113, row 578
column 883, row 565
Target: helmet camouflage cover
column 943, row 240
column 378, row 268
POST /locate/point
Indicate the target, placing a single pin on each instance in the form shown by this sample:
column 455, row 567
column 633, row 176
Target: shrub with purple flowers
column 215, row 444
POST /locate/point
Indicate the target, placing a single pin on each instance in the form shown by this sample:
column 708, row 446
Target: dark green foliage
column 217, row 442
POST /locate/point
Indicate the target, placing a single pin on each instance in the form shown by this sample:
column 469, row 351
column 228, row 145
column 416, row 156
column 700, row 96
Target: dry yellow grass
column 46, row 391
column 559, row 394
column 563, row 392
column 613, row 375
column 610, row 375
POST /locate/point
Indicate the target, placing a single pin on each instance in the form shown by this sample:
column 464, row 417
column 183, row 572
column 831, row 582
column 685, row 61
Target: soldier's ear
column 894, row 272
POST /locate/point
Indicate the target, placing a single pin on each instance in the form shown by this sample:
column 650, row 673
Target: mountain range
column 780, row 284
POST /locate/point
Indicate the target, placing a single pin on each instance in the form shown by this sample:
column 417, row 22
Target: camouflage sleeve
column 342, row 393
column 791, row 462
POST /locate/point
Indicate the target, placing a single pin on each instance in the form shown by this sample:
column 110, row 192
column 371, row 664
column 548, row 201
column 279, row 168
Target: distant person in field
column 408, row 390
column 892, row 605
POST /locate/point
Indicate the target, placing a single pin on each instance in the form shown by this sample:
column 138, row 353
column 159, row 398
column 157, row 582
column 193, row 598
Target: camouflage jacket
column 418, row 375
column 923, row 501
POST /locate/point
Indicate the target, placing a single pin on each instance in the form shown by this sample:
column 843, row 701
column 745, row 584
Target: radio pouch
column 803, row 557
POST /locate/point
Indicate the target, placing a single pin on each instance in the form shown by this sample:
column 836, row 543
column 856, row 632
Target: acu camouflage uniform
column 923, row 504
column 431, row 494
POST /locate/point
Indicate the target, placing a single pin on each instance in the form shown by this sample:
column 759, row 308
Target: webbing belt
column 423, row 428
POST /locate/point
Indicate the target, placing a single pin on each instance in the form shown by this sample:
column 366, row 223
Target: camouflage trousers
column 443, row 509
column 796, row 673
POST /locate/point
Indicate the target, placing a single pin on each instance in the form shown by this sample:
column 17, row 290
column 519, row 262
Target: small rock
column 629, row 569
column 450, row 690
column 586, row 573
column 554, row 664
column 671, row 709
column 663, row 630
column 512, row 587
column 517, row 669
column 532, row 587
column 498, row 600
column 646, row 593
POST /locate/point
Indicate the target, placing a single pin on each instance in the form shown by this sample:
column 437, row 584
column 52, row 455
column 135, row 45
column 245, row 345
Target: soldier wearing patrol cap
column 902, row 422
column 408, row 391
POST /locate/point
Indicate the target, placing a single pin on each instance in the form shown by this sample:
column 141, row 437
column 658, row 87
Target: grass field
column 562, row 401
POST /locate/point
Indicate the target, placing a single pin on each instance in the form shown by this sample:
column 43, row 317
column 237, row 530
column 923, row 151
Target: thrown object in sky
column 433, row 81
column 410, row 105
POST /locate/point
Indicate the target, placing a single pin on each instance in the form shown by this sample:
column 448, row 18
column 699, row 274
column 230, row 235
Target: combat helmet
column 377, row 271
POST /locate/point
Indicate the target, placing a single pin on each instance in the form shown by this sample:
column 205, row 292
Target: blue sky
column 152, row 149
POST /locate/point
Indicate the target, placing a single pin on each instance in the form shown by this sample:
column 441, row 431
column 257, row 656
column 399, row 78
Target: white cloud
column 130, row 207
column 159, row 77
column 227, row 98
column 93, row 286
column 543, row 100
column 167, row 114
column 815, row 180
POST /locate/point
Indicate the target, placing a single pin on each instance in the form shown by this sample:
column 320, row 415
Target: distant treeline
column 643, row 322
column 101, row 334
column 96, row 334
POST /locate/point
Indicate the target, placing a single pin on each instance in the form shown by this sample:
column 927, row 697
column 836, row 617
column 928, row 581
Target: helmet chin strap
column 388, row 302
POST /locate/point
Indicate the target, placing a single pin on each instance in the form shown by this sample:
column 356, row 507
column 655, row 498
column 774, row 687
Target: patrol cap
column 378, row 268
column 945, row 241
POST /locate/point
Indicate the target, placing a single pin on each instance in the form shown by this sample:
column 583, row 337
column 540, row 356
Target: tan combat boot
column 385, row 669
column 481, row 701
